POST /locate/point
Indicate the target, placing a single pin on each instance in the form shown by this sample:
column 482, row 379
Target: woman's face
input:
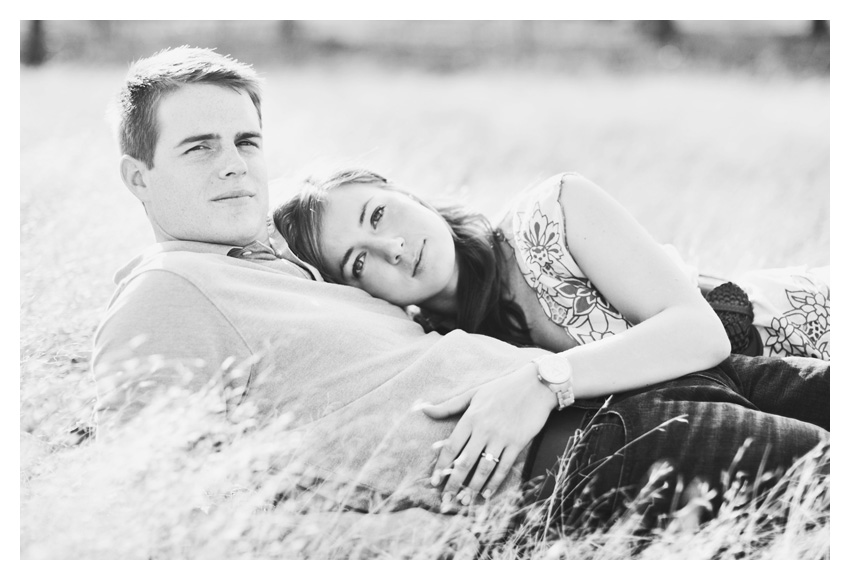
column 388, row 244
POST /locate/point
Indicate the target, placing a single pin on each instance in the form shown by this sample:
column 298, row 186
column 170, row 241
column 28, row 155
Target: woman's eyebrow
column 342, row 263
column 363, row 211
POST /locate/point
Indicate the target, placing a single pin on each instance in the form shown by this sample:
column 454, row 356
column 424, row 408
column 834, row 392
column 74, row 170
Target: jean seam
column 714, row 380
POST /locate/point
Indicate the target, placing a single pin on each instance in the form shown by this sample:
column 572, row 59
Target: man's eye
column 377, row 215
column 357, row 267
column 199, row 147
column 248, row 143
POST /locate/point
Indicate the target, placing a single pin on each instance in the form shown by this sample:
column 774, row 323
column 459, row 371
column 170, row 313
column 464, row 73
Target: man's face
column 208, row 182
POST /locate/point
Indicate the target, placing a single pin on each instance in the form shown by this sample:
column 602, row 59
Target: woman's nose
column 391, row 249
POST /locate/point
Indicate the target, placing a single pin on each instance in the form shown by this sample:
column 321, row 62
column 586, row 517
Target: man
column 221, row 299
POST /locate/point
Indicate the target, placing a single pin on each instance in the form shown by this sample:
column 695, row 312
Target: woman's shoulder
column 549, row 188
column 541, row 199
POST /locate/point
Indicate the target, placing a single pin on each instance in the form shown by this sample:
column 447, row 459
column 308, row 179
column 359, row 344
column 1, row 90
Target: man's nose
column 391, row 248
column 232, row 163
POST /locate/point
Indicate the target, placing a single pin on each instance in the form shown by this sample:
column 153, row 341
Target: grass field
column 731, row 170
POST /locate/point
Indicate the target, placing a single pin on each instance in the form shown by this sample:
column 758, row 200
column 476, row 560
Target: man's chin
column 243, row 239
column 225, row 232
column 239, row 232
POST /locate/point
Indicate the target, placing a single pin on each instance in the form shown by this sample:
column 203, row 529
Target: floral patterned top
column 791, row 310
column 566, row 295
column 791, row 305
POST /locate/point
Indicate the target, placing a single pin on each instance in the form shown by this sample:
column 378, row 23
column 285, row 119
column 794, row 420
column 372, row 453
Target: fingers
column 450, row 450
column 452, row 447
column 487, row 464
column 448, row 408
column 488, row 476
column 463, row 466
column 506, row 461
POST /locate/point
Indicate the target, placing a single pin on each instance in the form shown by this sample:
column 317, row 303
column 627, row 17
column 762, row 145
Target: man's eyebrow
column 249, row 135
column 216, row 136
column 196, row 138
column 348, row 252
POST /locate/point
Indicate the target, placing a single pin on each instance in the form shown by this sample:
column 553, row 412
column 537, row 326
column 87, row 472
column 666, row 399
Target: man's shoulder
column 156, row 295
column 159, row 277
column 175, row 267
column 175, row 258
column 165, row 304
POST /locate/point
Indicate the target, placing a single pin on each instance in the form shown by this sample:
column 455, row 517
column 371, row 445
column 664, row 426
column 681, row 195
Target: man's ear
column 135, row 177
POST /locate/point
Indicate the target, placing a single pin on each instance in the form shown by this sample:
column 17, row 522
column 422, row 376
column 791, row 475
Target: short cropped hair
column 150, row 79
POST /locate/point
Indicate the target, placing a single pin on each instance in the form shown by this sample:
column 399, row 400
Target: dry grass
column 734, row 172
column 184, row 481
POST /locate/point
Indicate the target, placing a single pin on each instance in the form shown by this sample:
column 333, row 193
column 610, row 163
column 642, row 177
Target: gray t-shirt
column 348, row 366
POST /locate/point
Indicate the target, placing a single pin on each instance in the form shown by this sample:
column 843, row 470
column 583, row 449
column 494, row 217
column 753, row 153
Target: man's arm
column 160, row 331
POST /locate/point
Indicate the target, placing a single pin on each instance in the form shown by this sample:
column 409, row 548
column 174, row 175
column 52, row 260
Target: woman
column 567, row 269
column 523, row 282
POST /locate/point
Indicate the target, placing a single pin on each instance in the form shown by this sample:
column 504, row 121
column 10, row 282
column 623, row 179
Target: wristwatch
column 556, row 372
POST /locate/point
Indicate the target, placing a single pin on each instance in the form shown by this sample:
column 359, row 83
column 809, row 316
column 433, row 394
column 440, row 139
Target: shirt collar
column 256, row 250
column 275, row 246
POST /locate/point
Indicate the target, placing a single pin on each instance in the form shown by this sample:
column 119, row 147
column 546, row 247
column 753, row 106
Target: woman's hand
column 499, row 419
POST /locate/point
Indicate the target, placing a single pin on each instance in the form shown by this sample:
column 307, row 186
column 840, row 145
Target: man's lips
column 233, row 195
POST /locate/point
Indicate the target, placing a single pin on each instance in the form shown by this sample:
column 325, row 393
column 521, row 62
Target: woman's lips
column 419, row 259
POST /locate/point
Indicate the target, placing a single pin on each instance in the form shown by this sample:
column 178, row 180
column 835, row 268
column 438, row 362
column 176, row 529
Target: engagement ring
column 490, row 457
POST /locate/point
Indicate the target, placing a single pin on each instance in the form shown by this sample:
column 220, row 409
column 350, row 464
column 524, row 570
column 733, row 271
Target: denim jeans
column 747, row 417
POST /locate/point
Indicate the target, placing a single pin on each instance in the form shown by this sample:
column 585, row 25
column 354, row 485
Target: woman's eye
column 377, row 215
column 357, row 267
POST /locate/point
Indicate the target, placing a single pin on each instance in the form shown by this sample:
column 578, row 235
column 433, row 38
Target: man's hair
column 150, row 79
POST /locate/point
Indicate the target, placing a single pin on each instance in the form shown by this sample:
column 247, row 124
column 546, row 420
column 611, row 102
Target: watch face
column 555, row 369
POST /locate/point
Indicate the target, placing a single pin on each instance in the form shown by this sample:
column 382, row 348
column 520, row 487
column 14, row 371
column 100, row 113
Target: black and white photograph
column 431, row 289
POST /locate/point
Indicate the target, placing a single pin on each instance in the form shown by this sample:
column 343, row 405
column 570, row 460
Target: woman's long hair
column 481, row 303
column 482, row 307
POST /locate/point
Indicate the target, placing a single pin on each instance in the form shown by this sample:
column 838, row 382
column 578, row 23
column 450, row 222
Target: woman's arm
column 676, row 332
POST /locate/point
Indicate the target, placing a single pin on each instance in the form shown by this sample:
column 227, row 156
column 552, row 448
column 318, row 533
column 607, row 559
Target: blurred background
column 758, row 47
